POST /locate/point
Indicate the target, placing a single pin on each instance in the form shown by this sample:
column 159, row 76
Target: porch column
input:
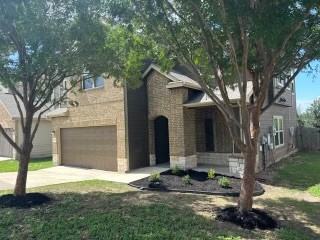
column 182, row 134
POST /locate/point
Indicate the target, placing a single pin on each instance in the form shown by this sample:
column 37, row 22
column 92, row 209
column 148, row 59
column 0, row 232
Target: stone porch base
column 184, row 163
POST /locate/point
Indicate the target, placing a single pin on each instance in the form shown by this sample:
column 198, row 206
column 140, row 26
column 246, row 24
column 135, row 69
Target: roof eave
column 181, row 84
column 207, row 104
column 172, row 78
column 64, row 113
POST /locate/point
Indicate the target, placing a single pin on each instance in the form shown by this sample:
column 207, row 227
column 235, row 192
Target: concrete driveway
column 63, row 174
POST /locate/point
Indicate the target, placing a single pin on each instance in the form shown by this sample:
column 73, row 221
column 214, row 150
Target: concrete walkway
column 4, row 159
column 62, row 174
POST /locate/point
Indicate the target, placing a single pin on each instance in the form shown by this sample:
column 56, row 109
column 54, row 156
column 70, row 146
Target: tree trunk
column 247, row 182
column 24, row 158
column 21, row 181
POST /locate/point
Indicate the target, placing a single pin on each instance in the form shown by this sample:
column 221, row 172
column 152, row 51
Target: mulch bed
column 199, row 184
column 27, row 201
column 249, row 220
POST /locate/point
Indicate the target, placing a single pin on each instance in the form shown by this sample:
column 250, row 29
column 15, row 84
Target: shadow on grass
column 146, row 215
column 130, row 215
column 298, row 217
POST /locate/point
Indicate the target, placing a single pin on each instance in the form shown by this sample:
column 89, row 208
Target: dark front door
column 161, row 131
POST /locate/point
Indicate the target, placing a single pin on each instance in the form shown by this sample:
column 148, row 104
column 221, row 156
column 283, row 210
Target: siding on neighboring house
column 42, row 143
column 5, row 118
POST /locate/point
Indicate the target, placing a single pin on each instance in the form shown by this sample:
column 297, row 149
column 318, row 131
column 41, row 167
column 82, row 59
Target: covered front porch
column 200, row 141
column 214, row 145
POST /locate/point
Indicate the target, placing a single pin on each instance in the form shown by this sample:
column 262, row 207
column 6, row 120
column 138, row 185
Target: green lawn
column 105, row 210
column 35, row 164
column 301, row 172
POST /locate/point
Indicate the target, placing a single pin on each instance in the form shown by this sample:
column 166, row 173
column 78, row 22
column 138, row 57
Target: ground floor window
column 279, row 134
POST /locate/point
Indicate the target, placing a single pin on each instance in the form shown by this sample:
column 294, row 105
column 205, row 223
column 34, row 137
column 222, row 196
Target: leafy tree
column 42, row 43
column 225, row 43
column 311, row 117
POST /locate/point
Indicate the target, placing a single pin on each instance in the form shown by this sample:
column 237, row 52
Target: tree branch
column 12, row 143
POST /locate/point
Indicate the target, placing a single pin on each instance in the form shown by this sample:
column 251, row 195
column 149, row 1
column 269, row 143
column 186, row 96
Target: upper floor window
column 59, row 95
column 293, row 87
column 279, row 133
column 92, row 82
column 282, row 79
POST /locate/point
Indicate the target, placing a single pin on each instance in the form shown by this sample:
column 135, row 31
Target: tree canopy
column 311, row 117
column 42, row 43
column 226, row 43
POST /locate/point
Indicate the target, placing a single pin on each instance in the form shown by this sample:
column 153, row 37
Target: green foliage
column 173, row 28
column 155, row 176
column 186, row 179
column 35, row 164
column 227, row 44
column 176, row 170
column 211, row 173
column 49, row 37
column 315, row 190
column 224, row 182
column 311, row 117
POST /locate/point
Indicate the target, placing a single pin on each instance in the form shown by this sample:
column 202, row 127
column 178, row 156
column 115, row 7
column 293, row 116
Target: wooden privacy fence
column 308, row 139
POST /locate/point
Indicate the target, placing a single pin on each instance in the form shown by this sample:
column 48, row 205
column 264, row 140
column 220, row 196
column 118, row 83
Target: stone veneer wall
column 97, row 107
column 169, row 103
column 213, row 158
column 236, row 164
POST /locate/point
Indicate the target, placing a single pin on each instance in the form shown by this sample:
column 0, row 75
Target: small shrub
column 186, row 179
column 154, row 177
column 224, row 182
column 176, row 170
column 211, row 173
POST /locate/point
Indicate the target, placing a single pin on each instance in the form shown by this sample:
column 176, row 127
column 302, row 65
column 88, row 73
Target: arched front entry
column 161, row 139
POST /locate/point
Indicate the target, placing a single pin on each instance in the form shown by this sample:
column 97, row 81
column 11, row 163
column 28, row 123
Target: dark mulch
column 27, row 201
column 249, row 220
column 199, row 184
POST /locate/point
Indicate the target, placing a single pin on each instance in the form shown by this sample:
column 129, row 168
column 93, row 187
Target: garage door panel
column 90, row 147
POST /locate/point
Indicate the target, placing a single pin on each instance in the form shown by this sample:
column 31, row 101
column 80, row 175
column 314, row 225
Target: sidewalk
column 63, row 174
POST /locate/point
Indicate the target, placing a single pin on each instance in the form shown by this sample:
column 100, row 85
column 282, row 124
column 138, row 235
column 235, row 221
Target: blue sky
column 308, row 86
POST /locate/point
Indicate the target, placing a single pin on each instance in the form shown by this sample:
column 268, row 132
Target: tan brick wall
column 97, row 107
column 221, row 136
column 169, row 103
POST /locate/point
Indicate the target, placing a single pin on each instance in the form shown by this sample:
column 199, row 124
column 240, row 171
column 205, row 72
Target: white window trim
column 94, row 87
column 293, row 87
column 274, row 137
column 281, row 84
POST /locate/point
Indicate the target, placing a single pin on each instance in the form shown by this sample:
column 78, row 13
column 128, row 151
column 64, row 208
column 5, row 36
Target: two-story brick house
column 167, row 119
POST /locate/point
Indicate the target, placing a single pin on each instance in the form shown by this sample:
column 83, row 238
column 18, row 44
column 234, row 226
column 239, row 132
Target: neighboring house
column 10, row 121
column 168, row 119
